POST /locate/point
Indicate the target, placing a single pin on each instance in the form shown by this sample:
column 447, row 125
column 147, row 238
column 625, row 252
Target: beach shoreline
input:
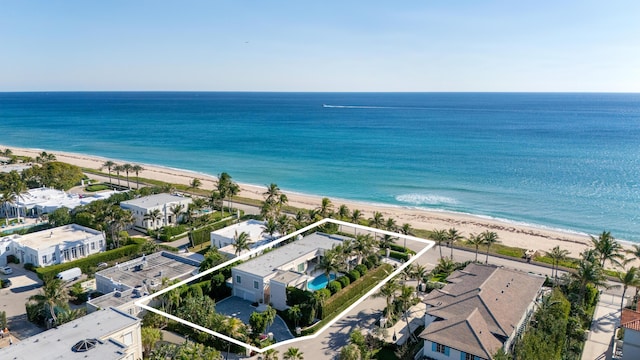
column 510, row 233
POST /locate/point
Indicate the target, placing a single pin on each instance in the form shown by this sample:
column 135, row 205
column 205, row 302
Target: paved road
column 606, row 318
column 12, row 300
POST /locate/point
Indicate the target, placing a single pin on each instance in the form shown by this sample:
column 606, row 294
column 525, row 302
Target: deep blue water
column 567, row 161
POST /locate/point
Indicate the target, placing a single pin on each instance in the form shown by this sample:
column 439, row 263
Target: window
column 44, row 259
column 468, row 356
column 301, row 267
column 81, row 250
column 74, row 252
column 53, row 257
column 256, row 285
column 93, row 245
column 100, row 244
column 238, row 279
column 435, row 347
column 7, row 248
column 127, row 339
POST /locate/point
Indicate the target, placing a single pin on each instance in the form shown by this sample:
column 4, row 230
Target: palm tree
column 439, row 236
column 137, row 168
column 127, row 167
column 153, row 216
column 377, row 220
column 293, row 354
column 388, row 291
column 608, row 249
column 589, row 272
column 391, row 225
column 150, row 336
column 17, row 189
column 489, row 238
column 386, row 241
column 630, row 278
column 452, row 237
column 270, row 354
column 7, row 199
column 326, row 207
column 356, row 216
column 118, row 169
column 556, row 254
column 284, row 224
column 241, row 242
column 109, row 165
column 295, row 314
column 272, row 201
column 343, row 212
column 476, row 240
column 53, row 294
column 329, row 263
column 406, row 299
column 176, row 210
column 195, row 183
column 363, row 246
column 420, row 272
column 270, row 227
column 406, row 229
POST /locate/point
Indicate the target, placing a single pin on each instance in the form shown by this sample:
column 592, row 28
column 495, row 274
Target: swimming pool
column 319, row 282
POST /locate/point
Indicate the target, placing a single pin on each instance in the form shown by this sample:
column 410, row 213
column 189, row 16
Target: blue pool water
column 319, row 282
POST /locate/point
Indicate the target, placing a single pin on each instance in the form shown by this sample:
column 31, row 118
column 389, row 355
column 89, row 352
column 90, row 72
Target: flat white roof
column 46, row 238
column 56, row 343
column 155, row 200
column 270, row 262
column 254, row 228
column 48, row 199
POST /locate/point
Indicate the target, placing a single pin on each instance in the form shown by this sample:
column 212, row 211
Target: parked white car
column 7, row 270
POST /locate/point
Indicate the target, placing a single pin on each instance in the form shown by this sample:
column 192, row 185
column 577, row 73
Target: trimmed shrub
column 371, row 261
column 362, row 269
column 344, row 281
column 327, row 292
column 29, row 266
column 90, row 261
column 203, row 235
column 399, row 256
column 354, row 275
column 334, row 287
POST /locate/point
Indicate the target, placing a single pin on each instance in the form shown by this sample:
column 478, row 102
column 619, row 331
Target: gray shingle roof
column 480, row 306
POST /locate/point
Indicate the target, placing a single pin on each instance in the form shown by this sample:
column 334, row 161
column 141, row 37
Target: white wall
column 453, row 354
column 245, row 289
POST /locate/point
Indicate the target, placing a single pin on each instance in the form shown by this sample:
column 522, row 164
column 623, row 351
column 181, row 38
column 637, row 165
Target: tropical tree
column 273, row 202
column 406, row 229
column 589, row 272
column 557, row 255
column 377, row 220
column 343, row 212
column 293, row 354
column 329, row 263
column 53, row 295
column 489, row 238
column 476, row 240
column 391, row 224
column 150, row 336
column 356, row 216
column 270, row 227
column 629, row 278
column 118, row 169
column 176, row 210
column 439, row 236
column 137, row 168
column 195, row 183
column 350, row 352
column 387, row 241
column 295, row 313
column 388, row 291
column 608, row 249
column 241, row 242
column 127, row 167
column 407, row 298
column 363, row 246
column 326, row 207
column 154, row 216
column 109, row 165
column 270, row 354
column 420, row 272
column 452, row 236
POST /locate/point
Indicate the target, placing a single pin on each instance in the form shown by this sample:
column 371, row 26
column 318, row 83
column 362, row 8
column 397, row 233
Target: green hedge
column 399, row 255
column 203, row 235
column 354, row 291
column 90, row 261
column 402, row 249
column 167, row 233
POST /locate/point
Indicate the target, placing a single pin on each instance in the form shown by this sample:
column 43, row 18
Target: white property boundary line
column 428, row 245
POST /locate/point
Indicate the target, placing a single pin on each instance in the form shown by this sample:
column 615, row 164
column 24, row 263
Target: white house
column 290, row 265
column 224, row 238
column 165, row 203
column 482, row 309
column 108, row 334
column 45, row 200
column 53, row 246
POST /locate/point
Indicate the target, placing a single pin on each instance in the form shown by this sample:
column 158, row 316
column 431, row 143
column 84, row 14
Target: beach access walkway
column 606, row 319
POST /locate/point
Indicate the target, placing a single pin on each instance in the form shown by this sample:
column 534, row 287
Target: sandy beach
column 512, row 234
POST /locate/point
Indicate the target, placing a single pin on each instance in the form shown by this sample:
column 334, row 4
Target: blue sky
column 320, row 46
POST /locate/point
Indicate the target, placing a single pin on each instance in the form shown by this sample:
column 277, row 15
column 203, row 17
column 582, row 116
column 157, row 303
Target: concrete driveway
column 24, row 284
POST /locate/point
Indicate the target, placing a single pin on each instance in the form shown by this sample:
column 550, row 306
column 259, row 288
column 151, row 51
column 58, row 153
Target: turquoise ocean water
column 565, row 161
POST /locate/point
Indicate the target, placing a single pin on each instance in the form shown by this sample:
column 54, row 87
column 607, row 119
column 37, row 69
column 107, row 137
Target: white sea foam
column 425, row 199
